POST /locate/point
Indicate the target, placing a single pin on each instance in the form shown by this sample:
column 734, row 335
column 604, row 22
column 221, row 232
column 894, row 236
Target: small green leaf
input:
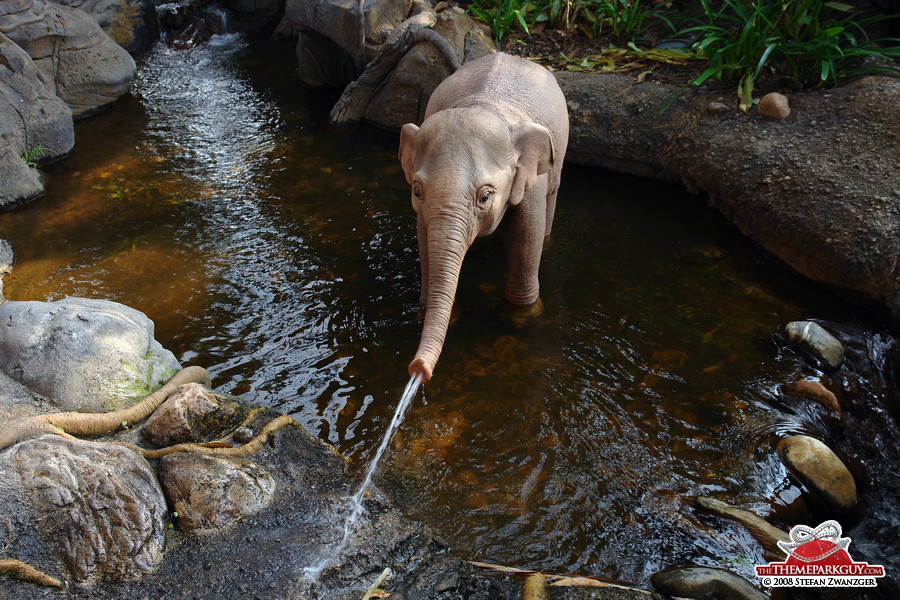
column 839, row 6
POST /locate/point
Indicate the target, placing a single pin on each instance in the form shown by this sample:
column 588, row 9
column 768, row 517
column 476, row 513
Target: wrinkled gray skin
column 492, row 144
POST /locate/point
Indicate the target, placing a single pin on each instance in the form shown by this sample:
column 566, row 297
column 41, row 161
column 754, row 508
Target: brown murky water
column 281, row 255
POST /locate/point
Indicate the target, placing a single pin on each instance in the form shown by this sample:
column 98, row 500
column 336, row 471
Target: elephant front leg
column 524, row 243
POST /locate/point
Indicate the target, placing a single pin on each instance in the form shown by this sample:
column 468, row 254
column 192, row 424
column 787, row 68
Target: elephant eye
column 484, row 196
column 417, row 192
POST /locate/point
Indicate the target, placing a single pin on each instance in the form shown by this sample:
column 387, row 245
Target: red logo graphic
column 818, row 558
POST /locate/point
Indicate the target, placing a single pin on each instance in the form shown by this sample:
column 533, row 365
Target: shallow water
column 281, row 254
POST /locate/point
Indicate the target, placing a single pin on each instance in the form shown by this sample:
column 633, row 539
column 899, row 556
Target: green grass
column 32, row 156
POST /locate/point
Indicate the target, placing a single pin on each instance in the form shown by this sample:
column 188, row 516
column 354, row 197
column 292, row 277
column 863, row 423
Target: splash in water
column 356, row 502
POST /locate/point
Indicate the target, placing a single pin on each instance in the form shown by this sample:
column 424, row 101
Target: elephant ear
column 407, row 153
column 534, row 145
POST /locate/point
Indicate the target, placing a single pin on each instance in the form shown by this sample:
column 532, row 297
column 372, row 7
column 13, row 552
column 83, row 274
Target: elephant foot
column 520, row 316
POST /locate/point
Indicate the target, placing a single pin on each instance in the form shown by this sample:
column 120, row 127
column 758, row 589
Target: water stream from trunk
column 356, row 501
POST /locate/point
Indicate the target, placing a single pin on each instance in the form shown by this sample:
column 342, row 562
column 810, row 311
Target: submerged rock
column 820, row 470
column 821, row 345
column 82, row 354
column 82, row 64
column 705, row 583
column 101, row 511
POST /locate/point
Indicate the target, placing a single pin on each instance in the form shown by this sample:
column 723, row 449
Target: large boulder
column 131, row 24
column 258, row 17
column 33, row 119
column 335, row 41
column 82, row 354
column 784, row 183
column 97, row 507
column 404, row 96
column 82, row 64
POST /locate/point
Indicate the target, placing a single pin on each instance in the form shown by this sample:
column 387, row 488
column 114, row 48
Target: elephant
column 490, row 148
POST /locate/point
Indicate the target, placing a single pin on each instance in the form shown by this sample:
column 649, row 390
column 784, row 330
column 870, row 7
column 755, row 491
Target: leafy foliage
column 805, row 42
column 802, row 42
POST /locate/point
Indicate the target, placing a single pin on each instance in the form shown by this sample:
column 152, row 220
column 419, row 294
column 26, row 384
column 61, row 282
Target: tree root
column 25, row 572
column 765, row 533
column 251, row 447
column 72, row 423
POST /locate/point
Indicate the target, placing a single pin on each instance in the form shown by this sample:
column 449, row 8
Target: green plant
column 624, row 19
column 806, row 42
column 503, row 15
column 31, row 156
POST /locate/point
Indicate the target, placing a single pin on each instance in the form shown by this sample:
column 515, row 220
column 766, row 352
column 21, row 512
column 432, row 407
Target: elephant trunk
column 445, row 258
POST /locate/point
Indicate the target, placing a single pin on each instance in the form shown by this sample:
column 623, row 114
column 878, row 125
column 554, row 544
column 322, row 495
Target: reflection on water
column 281, row 255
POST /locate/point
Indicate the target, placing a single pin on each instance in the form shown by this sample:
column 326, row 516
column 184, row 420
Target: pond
column 280, row 254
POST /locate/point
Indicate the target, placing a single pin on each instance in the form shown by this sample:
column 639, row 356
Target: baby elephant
column 492, row 144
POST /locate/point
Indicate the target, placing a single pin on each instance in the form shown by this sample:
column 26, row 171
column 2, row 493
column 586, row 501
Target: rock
column 31, row 116
column 716, row 108
column 7, row 258
column 339, row 21
column 813, row 390
column 783, row 183
column 821, row 345
column 820, row 470
column 258, row 17
column 6, row 262
column 404, row 96
column 88, row 355
column 101, row 510
column 705, row 583
column 210, row 493
column 774, row 105
column 192, row 413
column 82, row 64
column 131, row 24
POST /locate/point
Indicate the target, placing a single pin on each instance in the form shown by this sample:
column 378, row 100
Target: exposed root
column 98, row 423
column 245, row 450
column 765, row 533
column 25, row 572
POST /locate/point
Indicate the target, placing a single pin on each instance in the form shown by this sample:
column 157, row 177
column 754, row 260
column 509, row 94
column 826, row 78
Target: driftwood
column 351, row 106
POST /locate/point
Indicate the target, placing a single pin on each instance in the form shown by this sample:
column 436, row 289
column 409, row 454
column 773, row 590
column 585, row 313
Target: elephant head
column 466, row 166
